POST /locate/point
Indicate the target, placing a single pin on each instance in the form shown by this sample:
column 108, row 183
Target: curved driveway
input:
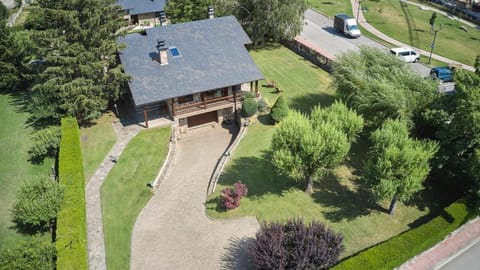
column 172, row 231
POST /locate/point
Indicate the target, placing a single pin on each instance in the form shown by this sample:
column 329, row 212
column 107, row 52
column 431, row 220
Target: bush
column 231, row 196
column 249, row 107
column 397, row 250
column 279, row 109
column 38, row 202
column 295, row 245
column 44, row 143
column 71, row 241
column 262, row 106
column 32, row 254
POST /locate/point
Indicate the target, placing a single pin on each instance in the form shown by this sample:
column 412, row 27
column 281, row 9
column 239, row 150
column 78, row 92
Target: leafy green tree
column 35, row 253
column 77, row 41
column 341, row 117
column 397, row 164
column 187, row 10
column 249, row 106
column 45, row 143
column 3, row 13
column 378, row 86
column 477, row 64
column 279, row 109
column 38, row 202
column 304, row 150
column 9, row 77
column 454, row 122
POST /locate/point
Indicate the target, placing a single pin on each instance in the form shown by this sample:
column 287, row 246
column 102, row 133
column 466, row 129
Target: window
column 175, row 52
column 185, row 99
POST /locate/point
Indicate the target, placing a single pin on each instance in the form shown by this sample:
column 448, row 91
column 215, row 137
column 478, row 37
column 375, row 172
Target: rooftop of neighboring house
column 202, row 55
column 135, row 7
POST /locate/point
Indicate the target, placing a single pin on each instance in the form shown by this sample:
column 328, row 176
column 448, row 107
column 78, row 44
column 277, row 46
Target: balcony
column 205, row 105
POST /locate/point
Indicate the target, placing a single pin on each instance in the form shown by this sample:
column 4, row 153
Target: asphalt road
column 467, row 260
column 319, row 30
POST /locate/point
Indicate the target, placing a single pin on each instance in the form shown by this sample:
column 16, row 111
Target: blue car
column 444, row 74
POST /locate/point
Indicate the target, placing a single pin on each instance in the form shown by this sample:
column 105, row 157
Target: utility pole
column 435, row 31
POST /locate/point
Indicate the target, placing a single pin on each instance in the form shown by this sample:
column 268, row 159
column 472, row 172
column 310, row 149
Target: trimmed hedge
column 397, row 250
column 71, row 243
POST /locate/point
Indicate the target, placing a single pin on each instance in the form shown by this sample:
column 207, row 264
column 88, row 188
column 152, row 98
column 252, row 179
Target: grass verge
column 96, row 141
column 14, row 165
column 125, row 192
column 410, row 24
column 330, row 8
column 339, row 200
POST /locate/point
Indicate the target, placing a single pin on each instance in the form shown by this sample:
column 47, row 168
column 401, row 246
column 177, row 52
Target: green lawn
column 125, row 191
column 97, row 140
column 332, row 7
column 339, row 200
column 410, row 24
column 14, row 165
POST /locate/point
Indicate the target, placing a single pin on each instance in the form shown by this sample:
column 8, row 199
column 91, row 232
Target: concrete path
column 173, row 231
column 95, row 236
column 363, row 22
column 444, row 251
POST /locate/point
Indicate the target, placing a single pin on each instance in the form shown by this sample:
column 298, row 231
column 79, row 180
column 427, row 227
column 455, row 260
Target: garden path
column 173, row 231
column 95, row 235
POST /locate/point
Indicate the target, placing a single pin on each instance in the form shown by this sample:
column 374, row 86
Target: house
column 143, row 12
column 194, row 73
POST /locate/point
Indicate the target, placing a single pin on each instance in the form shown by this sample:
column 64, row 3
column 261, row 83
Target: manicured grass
column 125, row 191
column 96, row 140
column 305, row 85
column 410, row 24
column 332, row 7
column 339, row 200
column 14, row 165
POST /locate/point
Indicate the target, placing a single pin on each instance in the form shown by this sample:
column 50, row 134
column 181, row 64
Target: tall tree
column 304, row 149
column 9, row 59
column 263, row 20
column 79, row 46
column 397, row 165
column 379, row 86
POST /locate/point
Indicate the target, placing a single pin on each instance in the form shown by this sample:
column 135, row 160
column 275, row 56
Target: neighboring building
column 142, row 12
column 195, row 72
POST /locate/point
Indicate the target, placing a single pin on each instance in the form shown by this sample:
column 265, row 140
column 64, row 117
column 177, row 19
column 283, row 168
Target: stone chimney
column 162, row 52
column 211, row 12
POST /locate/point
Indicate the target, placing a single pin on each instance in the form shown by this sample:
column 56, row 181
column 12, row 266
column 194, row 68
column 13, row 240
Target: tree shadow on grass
column 347, row 199
column 258, row 174
column 305, row 103
column 236, row 255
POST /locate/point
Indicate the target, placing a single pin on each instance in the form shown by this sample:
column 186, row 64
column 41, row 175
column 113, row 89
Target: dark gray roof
column 135, row 7
column 213, row 55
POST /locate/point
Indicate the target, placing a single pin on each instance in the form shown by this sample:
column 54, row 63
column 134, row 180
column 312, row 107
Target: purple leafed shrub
column 231, row 196
column 295, row 245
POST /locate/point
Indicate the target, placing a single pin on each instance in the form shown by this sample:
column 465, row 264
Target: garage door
column 201, row 119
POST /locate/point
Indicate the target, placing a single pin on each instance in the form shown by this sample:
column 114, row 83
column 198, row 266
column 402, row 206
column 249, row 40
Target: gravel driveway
column 172, row 231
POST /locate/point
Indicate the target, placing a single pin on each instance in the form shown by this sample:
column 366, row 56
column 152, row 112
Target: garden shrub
column 249, row 107
column 397, row 250
column 295, row 245
column 44, row 143
column 231, row 196
column 279, row 109
column 71, row 243
column 262, row 106
column 35, row 253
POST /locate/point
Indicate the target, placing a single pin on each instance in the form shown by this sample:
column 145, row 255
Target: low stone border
column 168, row 161
column 212, row 184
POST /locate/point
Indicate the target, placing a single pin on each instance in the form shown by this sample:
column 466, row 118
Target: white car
column 406, row 54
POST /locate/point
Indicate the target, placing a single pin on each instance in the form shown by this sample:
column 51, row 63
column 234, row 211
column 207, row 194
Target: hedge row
column 71, row 243
column 397, row 250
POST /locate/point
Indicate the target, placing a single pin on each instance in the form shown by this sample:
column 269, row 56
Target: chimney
column 211, row 13
column 163, row 18
column 162, row 52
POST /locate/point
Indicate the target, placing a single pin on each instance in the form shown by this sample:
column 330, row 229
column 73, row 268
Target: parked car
column 406, row 54
column 444, row 74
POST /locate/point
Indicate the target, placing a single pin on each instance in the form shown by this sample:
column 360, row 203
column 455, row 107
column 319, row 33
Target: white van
column 406, row 54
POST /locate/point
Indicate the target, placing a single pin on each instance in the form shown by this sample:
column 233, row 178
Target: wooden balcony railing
column 184, row 108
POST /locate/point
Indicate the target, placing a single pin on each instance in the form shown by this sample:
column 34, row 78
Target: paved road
column 467, row 260
column 319, row 30
column 172, row 231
